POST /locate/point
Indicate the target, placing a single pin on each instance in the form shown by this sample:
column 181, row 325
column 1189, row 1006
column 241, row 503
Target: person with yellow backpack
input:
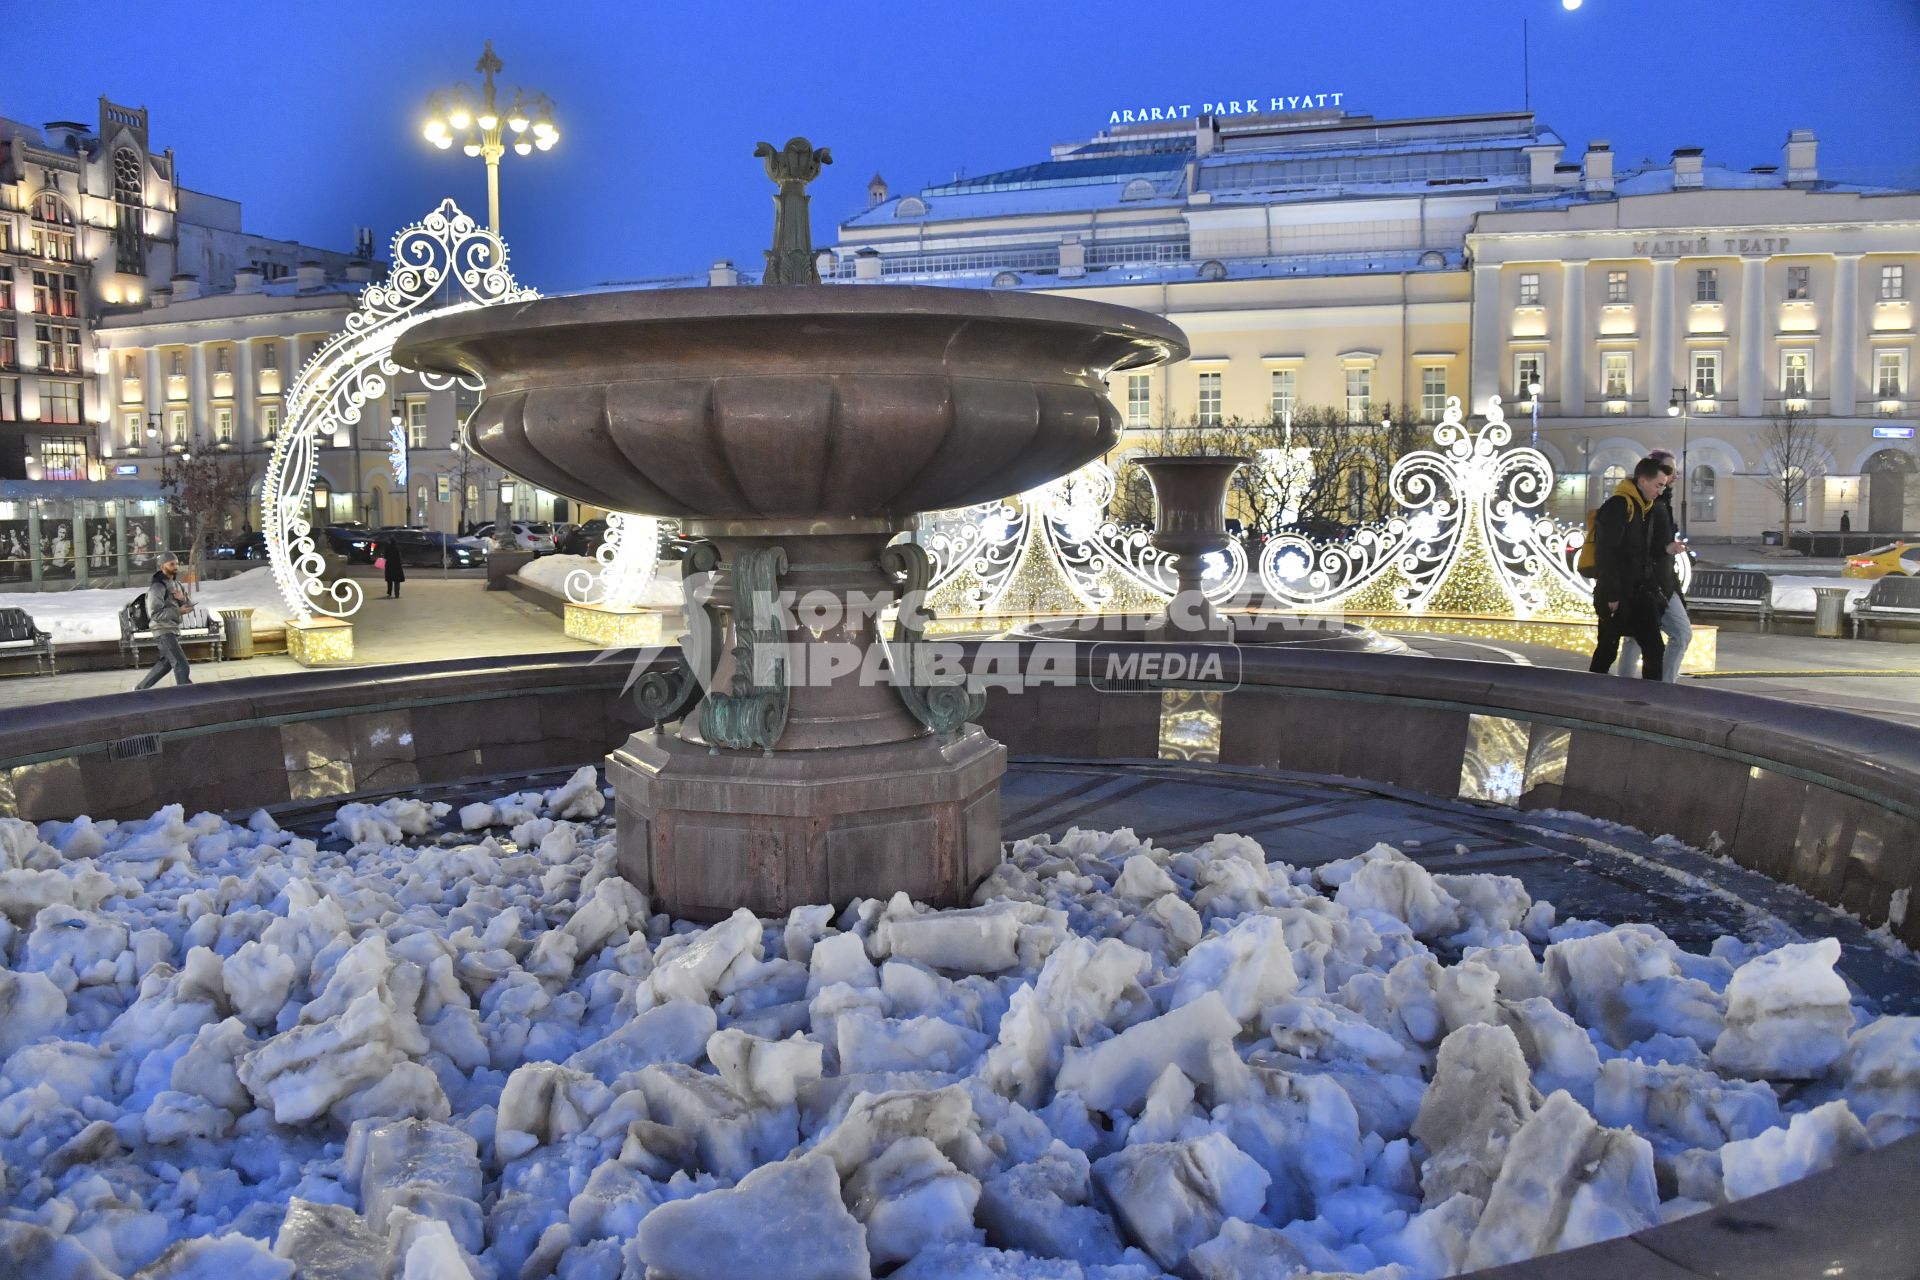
column 1675, row 627
column 1629, row 585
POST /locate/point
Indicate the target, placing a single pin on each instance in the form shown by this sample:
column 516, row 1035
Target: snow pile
column 459, row 1046
column 549, row 574
column 71, row 617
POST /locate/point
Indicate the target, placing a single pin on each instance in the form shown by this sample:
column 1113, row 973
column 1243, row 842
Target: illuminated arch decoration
column 1053, row 550
column 444, row 263
column 1470, row 538
column 627, row 559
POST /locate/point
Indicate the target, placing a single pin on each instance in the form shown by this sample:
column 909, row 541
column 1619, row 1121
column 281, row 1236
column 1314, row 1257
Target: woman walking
column 395, row 571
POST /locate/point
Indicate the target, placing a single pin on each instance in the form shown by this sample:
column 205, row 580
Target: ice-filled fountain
column 794, row 431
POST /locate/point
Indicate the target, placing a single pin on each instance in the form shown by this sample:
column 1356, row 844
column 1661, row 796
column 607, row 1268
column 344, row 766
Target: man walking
column 1627, row 595
column 1675, row 626
column 165, row 599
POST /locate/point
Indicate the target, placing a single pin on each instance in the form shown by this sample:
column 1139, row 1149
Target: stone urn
column 795, row 431
column 1190, row 523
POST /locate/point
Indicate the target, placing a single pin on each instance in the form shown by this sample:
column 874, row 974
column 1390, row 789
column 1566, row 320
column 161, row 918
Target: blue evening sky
column 309, row 113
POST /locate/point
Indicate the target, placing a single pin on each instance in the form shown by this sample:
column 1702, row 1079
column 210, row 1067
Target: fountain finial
column 792, row 167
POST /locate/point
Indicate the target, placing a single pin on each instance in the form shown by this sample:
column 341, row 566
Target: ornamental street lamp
column 486, row 130
column 1680, row 405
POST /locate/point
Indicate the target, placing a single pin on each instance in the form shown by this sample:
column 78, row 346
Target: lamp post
column 1533, row 402
column 526, row 125
column 1680, row 405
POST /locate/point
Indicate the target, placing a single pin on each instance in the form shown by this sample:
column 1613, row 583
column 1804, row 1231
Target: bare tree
column 205, row 490
column 1793, row 452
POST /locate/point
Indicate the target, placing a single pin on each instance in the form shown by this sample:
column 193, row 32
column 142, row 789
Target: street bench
column 1894, row 600
column 1729, row 592
column 18, row 635
column 198, row 625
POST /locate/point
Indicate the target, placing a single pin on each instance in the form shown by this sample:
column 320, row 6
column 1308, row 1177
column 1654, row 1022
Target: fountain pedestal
column 1190, row 500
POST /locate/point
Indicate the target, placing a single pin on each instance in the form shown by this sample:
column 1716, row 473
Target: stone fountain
column 1190, row 523
column 796, row 431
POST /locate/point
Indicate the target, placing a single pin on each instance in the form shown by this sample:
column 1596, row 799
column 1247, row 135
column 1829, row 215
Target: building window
column 1893, row 284
column 1529, row 289
column 1706, row 284
column 128, row 203
column 52, row 228
column 270, row 355
column 1139, row 399
column 1283, row 393
column 1611, row 478
column 1617, row 375
column 223, row 425
column 9, row 342
column 1796, row 369
column 56, row 293
column 58, row 347
column 1616, row 286
column 222, row 362
column 1797, row 283
column 177, row 426
column 1889, row 374
column 1359, row 395
column 1795, row 479
column 416, row 424
column 1529, row 370
column 1210, row 399
column 63, row 457
column 1433, row 392
column 60, row 403
column 9, row 399
column 269, row 420
column 178, row 366
column 1706, row 375
column 1702, row 495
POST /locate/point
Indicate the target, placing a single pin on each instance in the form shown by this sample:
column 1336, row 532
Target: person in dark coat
column 1628, row 595
column 166, row 598
column 395, row 571
column 1675, row 627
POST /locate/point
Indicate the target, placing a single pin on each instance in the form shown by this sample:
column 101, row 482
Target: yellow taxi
column 1880, row 562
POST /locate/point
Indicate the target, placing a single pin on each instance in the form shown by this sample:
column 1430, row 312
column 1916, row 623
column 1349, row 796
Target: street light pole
column 1680, row 405
column 1533, row 401
column 526, row 125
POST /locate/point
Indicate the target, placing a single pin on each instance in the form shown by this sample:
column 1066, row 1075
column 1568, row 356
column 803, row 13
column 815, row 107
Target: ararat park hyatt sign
column 1225, row 107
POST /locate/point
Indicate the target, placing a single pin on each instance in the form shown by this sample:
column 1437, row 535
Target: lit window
column 416, row 424
column 1282, row 394
column 1210, row 399
column 177, row 426
column 1890, row 374
column 1617, row 375
column 1433, row 392
column 63, row 457
column 60, row 403
column 9, row 399
column 58, row 347
column 1797, row 283
column 1616, row 286
column 1359, row 395
column 269, row 420
column 1528, row 370
column 130, row 430
column 9, row 341
column 1706, row 285
column 1529, row 289
column 223, row 425
column 1706, row 374
column 1139, row 399
column 1893, row 283
column 1795, row 374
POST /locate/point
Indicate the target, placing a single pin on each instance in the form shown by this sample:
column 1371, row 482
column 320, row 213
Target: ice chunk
column 731, row 1135
column 545, row 1102
column 302, row 1072
column 1171, row 1196
column 692, row 971
column 1399, row 887
column 419, row 1166
column 984, row 939
column 1883, row 1076
column 1042, row 1207
column 27, row 1250
column 786, row 1219
column 233, row 1257
column 1481, row 1096
column 614, row 908
column 1788, row 1014
column 676, row 1031
column 874, row 1121
column 1115, row 1074
column 258, row 979
column 1560, row 1053
column 867, row 1043
column 1249, row 965
column 1142, row 879
column 771, row 1071
column 1565, row 1182
column 578, row 798
column 841, row 958
column 1812, row 1141
column 1433, row 1242
column 1243, row 1250
column 1678, row 1106
column 330, row 1242
column 1303, row 1131
column 909, row 1197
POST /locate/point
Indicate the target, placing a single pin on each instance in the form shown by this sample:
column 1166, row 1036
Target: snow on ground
column 549, row 574
column 94, row 614
column 443, row 1046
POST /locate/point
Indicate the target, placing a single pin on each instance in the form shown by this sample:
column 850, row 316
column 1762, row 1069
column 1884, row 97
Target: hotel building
column 1321, row 257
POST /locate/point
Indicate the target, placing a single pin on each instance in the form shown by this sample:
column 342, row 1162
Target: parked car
column 239, row 546
column 351, row 540
column 583, row 539
column 1888, row 561
column 528, row 535
column 431, row 549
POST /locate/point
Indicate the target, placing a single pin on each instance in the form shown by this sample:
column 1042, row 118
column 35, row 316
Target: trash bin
column 1830, row 611
column 238, row 624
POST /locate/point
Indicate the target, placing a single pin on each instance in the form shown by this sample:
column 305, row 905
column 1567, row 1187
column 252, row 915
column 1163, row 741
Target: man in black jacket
column 1675, row 627
column 1628, row 591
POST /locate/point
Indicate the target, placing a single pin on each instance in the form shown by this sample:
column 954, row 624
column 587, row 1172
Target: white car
column 528, row 535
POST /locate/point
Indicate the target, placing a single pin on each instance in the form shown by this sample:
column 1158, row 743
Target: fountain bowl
column 792, row 403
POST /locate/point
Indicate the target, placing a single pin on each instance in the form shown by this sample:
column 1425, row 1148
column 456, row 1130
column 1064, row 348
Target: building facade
column 1371, row 267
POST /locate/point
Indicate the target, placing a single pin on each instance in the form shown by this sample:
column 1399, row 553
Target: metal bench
column 1894, row 599
column 198, row 625
column 1730, row 592
column 18, row 635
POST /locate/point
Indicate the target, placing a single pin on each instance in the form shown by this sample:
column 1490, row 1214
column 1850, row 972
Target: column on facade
column 1660, row 337
column 1845, row 366
column 1753, row 338
column 245, row 397
column 1489, row 336
column 199, row 393
column 1572, row 378
column 153, row 392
